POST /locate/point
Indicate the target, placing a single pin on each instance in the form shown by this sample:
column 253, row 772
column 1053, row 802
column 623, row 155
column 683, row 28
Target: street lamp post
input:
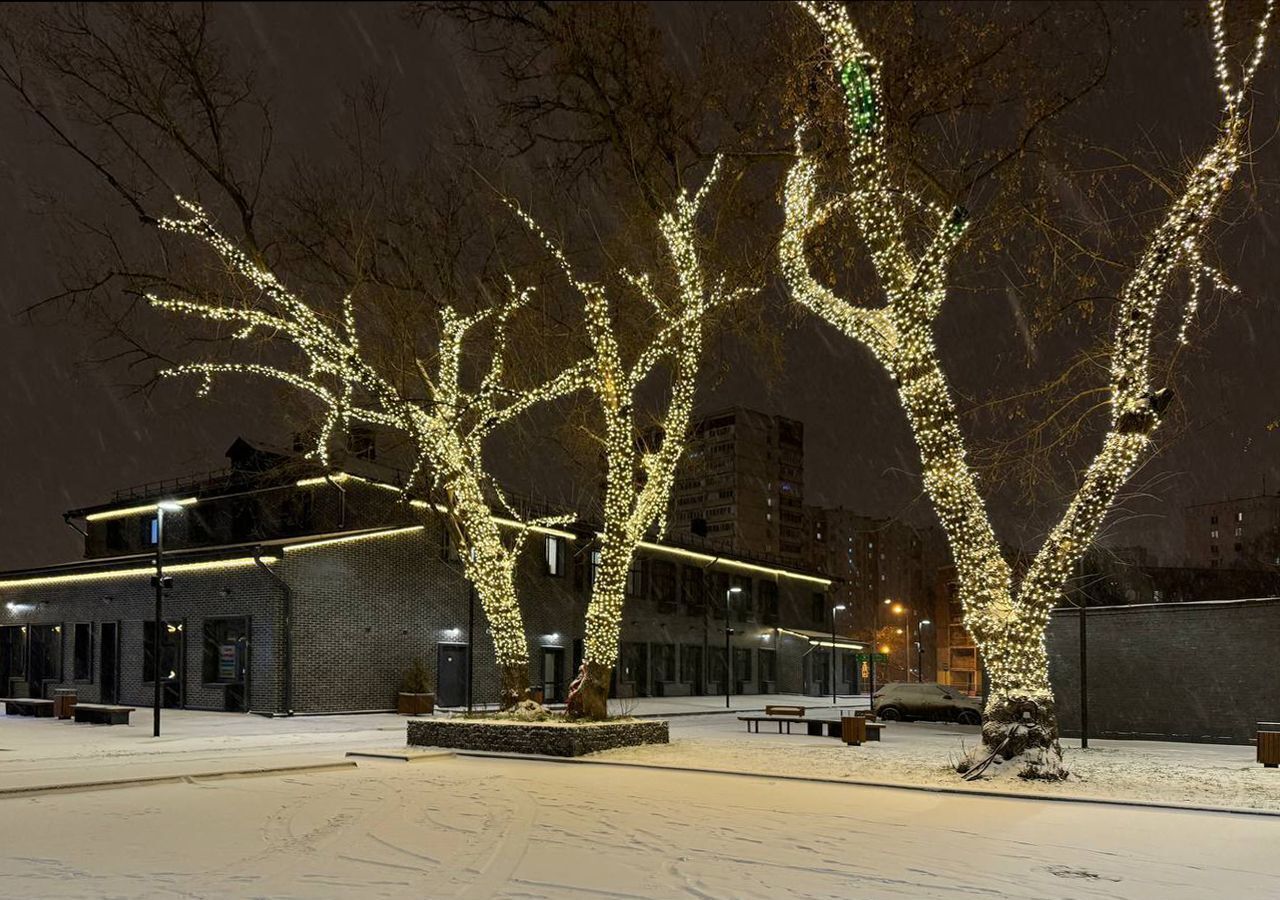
column 920, row 649
column 834, row 610
column 159, row 581
column 728, row 632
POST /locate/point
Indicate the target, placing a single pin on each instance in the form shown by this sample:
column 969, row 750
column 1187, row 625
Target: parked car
column 926, row 700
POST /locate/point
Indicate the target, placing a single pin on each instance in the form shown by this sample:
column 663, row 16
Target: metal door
column 451, row 674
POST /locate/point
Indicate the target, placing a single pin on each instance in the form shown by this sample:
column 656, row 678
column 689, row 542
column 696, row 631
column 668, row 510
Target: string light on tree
column 638, row 480
column 1007, row 621
column 447, row 431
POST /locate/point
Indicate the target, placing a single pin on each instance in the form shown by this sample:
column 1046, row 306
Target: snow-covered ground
column 455, row 827
column 920, row 753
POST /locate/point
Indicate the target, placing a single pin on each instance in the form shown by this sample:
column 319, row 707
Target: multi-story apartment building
column 740, row 486
column 886, row 576
column 1233, row 534
column 299, row 589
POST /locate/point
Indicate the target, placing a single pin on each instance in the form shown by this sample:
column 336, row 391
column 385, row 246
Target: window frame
column 554, row 553
column 87, row 677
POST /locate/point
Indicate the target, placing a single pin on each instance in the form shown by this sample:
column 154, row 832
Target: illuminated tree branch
column 448, row 430
column 1008, row 621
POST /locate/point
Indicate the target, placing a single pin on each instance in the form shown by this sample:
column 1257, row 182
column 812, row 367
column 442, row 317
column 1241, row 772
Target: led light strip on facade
column 210, row 565
column 136, row 510
column 345, row 539
column 750, row 567
column 422, row 504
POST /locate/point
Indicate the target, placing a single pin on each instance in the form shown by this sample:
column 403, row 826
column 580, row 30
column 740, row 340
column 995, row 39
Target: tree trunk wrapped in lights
column 1008, row 620
column 639, row 478
column 447, row 430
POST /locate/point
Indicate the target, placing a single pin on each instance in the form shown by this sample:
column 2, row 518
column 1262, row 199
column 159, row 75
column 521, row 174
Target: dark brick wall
column 130, row 600
column 364, row 608
column 1174, row 671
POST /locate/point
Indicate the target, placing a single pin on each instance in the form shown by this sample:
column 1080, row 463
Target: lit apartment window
column 1239, row 531
column 1239, row 517
column 555, row 556
column 1213, row 533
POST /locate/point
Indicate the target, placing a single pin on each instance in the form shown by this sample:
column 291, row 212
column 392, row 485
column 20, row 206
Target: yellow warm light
column 137, row 510
column 210, row 565
column 349, row 538
column 733, row 563
column 1007, row 619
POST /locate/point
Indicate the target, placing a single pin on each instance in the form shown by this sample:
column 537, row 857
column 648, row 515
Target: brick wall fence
column 1170, row 671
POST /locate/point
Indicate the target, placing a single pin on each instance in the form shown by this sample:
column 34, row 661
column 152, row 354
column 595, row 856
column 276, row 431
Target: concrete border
column 892, row 785
column 145, row 780
column 407, row 755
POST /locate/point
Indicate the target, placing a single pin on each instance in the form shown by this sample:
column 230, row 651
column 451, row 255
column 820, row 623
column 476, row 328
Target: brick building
column 299, row 590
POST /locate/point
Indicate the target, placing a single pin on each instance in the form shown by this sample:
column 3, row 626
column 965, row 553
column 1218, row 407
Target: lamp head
column 925, row 622
column 838, row 608
column 735, row 590
column 169, row 506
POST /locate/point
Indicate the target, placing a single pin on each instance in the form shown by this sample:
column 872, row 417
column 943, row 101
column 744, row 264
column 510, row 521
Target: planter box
column 542, row 738
column 415, row 704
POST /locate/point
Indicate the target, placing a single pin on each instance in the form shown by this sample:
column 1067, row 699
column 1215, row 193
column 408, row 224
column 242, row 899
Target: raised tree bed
column 542, row 738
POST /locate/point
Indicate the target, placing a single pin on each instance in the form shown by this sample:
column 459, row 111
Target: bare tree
column 1007, row 620
column 639, row 462
column 447, row 425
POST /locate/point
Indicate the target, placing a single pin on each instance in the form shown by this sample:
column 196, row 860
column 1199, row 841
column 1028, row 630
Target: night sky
column 71, row 434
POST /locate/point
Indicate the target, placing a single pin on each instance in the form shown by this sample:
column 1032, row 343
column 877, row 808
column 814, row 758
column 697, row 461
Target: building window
column 151, row 531
column 554, row 550
column 818, row 608
column 82, row 649
column 662, row 577
column 1213, row 533
column 664, row 662
column 1213, row 548
column 1239, row 517
column 1213, row 520
column 226, row 643
column 593, row 567
column 741, row 664
column 691, row 666
column 768, row 665
column 1239, row 531
column 693, row 591
column 1239, row 548
column 635, row 579
column 769, row 602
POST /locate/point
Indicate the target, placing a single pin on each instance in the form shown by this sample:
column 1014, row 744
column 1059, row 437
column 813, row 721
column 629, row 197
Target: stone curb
column 144, row 780
column 933, row 789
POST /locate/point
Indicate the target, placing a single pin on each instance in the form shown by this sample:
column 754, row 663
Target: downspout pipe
column 342, row 500
column 286, row 633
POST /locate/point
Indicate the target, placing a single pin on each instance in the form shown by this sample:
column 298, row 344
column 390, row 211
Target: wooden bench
column 814, row 727
column 28, row 706
column 1269, row 744
column 779, row 710
column 103, row 714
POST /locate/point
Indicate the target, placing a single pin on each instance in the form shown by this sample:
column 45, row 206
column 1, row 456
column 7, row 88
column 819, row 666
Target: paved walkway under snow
column 468, row 827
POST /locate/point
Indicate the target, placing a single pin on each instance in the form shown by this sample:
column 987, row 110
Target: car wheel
column 889, row 713
column 969, row 717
